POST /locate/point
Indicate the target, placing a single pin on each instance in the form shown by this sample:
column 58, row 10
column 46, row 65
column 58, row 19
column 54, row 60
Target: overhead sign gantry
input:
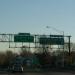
column 30, row 39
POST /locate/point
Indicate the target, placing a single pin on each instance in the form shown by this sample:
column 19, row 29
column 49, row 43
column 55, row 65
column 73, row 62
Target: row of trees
column 9, row 56
column 6, row 57
column 46, row 59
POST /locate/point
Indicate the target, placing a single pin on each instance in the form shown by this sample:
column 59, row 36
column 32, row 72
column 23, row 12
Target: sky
column 33, row 16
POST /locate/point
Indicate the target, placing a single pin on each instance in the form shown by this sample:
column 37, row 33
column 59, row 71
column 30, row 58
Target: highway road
column 47, row 73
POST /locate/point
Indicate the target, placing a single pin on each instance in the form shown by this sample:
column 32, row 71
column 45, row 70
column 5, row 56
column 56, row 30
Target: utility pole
column 69, row 45
column 69, row 50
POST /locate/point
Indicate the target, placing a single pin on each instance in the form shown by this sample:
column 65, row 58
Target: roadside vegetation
column 39, row 59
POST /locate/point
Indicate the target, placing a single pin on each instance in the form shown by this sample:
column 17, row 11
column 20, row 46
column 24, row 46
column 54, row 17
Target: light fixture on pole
column 55, row 29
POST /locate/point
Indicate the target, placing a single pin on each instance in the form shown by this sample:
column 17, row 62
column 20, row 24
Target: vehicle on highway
column 17, row 68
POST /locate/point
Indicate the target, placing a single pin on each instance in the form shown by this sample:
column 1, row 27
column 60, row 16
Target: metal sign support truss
column 9, row 38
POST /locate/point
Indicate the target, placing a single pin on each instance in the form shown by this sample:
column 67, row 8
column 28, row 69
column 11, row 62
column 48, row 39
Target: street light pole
column 62, row 32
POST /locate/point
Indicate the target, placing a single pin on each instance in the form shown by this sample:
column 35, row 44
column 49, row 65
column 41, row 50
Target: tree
column 6, row 58
column 10, row 56
column 24, row 52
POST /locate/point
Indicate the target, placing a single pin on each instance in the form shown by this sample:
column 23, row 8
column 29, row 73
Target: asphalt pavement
column 47, row 73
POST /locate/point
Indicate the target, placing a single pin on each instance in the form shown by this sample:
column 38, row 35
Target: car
column 17, row 68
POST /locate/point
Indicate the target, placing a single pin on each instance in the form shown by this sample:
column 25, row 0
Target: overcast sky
column 34, row 15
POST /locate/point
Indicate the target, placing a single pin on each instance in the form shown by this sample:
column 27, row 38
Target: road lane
column 47, row 73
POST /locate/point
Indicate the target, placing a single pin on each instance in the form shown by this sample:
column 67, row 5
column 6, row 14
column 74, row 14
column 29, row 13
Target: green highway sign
column 58, row 36
column 52, row 41
column 23, row 37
